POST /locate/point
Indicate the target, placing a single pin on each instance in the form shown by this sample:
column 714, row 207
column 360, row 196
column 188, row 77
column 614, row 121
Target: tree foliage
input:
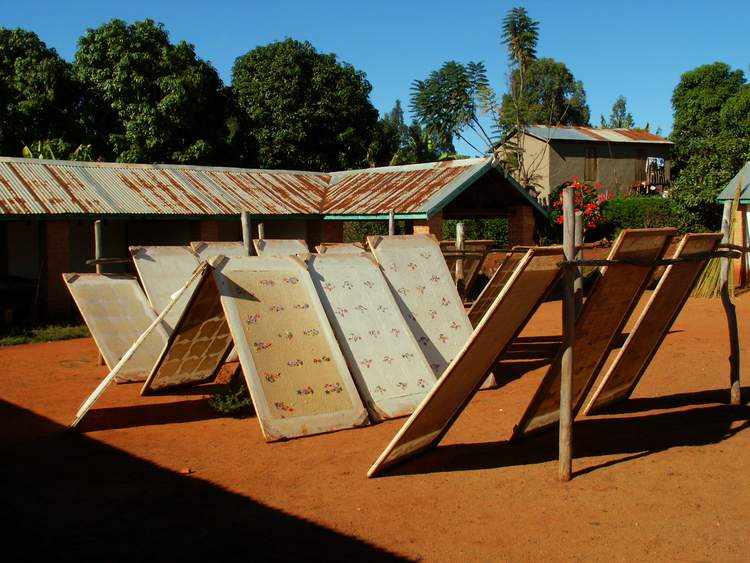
column 148, row 100
column 449, row 101
column 38, row 96
column 620, row 116
column 548, row 95
column 712, row 139
column 520, row 35
column 306, row 109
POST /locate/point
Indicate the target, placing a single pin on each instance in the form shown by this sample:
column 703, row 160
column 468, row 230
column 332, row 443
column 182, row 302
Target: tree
column 449, row 101
column 620, row 116
column 38, row 95
column 306, row 109
column 387, row 137
column 148, row 100
column 712, row 139
column 520, row 35
column 548, row 95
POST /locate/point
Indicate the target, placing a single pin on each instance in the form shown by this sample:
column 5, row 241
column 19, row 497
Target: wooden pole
column 726, row 300
column 578, row 284
column 247, row 233
column 98, row 244
column 459, row 262
column 568, row 313
column 391, row 222
column 261, row 231
column 98, row 254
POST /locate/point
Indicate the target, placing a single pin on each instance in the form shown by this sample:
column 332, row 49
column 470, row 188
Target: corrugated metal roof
column 44, row 187
column 576, row 133
column 731, row 188
column 416, row 188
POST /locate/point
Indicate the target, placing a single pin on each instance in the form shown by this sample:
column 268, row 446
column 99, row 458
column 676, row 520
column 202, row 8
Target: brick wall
column 209, row 231
column 324, row 231
column 521, row 226
column 432, row 226
column 57, row 250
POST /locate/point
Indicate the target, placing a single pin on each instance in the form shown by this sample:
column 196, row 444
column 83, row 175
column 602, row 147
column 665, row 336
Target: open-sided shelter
column 47, row 209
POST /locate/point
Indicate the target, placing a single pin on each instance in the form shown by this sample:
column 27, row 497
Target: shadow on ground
column 68, row 497
column 630, row 436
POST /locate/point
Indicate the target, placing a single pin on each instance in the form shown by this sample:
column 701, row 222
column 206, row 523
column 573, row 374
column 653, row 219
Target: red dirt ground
column 663, row 476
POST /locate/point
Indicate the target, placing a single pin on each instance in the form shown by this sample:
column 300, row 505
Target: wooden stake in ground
column 391, row 222
column 726, row 301
column 565, row 455
column 460, row 263
column 247, row 233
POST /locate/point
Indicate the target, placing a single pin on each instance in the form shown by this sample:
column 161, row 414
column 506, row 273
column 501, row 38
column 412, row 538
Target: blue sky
column 637, row 49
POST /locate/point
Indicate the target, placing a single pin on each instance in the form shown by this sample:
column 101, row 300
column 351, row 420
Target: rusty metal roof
column 50, row 187
column 577, row 133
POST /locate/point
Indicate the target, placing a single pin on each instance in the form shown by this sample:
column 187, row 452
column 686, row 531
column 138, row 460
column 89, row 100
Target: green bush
column 235, row 399
column 49, row 333
column 637, row 212
column 358, row 231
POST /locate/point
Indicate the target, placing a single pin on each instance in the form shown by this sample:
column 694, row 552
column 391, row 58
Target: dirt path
column 665, row 476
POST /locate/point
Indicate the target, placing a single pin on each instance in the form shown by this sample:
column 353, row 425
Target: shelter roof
column 742, row 177
column 34, row 187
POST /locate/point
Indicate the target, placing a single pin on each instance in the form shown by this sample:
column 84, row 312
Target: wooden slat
column 473, row 255
column 536, row 273
column 494, row 286
column 600, row 321
column 654, row 323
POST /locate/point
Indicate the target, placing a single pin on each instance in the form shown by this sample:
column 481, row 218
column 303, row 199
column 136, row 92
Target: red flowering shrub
column 588, row 200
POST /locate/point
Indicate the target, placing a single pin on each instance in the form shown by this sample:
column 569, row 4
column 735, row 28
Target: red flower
column 559, row 220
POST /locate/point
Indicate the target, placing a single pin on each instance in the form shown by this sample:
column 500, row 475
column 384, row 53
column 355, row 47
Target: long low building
column 47, row 210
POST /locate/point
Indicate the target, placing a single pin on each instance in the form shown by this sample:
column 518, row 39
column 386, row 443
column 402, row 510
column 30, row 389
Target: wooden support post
column 391, row 222
column 569, row 315
column 726, row 301
column 247, row 233
column 459, row 262
column 578, row 285
column 261, row 231
column 98, row 244
column 98, row 254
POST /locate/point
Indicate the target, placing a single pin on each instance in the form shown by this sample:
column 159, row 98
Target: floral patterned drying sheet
column 423, row 287
column 295, row 371
column 385, row 359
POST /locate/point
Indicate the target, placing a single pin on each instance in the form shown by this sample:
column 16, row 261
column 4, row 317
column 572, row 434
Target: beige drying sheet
column 164, row 270
column 280, row 247
column 117, row 312
column 428, row 299
column 296, row 373
column 387, row 364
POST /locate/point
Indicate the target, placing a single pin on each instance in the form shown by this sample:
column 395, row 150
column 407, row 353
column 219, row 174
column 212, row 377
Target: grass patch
column 48, row 333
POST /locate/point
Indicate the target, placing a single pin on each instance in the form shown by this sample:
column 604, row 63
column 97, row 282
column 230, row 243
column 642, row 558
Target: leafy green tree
column 712, row 140
column 38, row 96
column 449, row 101
column 549, row 95
column 306, row 109
column 620, row 116
column 387, row 137
column 148, row 100
column 520, row 35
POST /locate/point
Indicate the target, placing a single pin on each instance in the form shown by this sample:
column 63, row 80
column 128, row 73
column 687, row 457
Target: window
column 590, row 165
